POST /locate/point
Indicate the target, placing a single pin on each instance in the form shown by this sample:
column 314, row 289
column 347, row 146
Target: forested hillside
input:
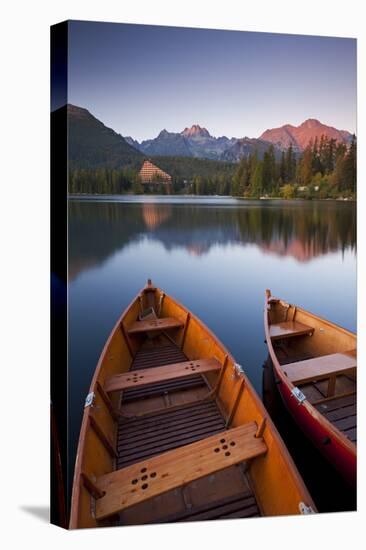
column 101, row 161
column 325, row 169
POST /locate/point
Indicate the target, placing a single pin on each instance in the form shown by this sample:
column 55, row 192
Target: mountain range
column 93, row 145
column 300, row 136
column 191, row 142
column 198, row 142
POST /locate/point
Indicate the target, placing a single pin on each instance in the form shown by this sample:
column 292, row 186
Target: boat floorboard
column 340, row 411
column 155, row 434
column 225, row 494
column 157, row 356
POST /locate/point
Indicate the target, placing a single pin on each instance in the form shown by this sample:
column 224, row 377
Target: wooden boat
column 173, row 430
column 315, row 364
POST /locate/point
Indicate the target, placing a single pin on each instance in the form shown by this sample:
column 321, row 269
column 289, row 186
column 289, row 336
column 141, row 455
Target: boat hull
column 105, row 454
column 340, row 456
column 338, row 449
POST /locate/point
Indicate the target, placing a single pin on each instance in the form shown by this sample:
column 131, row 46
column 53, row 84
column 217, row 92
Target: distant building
column 151, row 175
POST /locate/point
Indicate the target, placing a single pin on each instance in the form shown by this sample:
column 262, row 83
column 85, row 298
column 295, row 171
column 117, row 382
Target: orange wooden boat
column 173, row 430
column 315, row 364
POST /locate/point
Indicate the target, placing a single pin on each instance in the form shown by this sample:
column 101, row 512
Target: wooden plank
column 162, row 438
column 313, row 394
column 90, row 485
column 163, row 388
column 331, row 384
column 144, row 454
column 143, row 377
column 343, row 412
column 102, row 436
column 188, row 318
column 288, row 329
column 153, row 325
column 211, row 509
column 159, row 418
column 321, row 367
column 172, row 427
column 331, row 403
column 346, row 423
column 149, row 440
column 344, row 384
column 107, row 401
column 152, row 477
column 236, row 403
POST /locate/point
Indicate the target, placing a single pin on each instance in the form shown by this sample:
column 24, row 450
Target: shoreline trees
column 325, row 169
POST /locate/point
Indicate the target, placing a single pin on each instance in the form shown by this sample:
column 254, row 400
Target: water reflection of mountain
column 300, row 230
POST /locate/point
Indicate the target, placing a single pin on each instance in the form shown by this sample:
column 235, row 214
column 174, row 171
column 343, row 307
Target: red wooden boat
column 314, row 362
column 173, row 430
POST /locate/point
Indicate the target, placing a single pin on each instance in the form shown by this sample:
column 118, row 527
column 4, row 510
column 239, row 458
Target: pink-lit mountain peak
column 300, row 136
column 195, row 131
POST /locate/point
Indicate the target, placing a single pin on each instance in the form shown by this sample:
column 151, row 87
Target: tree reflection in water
column 302, row 230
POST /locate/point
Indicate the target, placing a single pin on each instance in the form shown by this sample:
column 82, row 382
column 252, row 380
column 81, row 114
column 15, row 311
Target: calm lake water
column 215, row 255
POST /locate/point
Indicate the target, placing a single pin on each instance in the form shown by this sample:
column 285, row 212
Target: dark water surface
column 216, row 256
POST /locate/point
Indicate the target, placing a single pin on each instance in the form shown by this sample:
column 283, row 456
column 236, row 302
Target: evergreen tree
column 350, row 168
column 137, row 187
column 268, row 170
column 290, row 165
column 326, row 165
column 283, row 168
column 316, row 164
column 306, row 166
column 256, row 186
column 329, row 155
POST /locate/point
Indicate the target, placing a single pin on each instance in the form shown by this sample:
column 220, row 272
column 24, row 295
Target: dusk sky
column 139, row 79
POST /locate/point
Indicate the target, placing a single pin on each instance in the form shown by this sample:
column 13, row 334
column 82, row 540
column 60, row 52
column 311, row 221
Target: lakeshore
column 149, row 196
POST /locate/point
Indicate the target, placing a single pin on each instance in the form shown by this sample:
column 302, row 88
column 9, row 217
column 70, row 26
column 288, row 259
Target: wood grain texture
column 145, row 437
column 327, row 338
column 272, row 474
column 321, row 367
column 144, row 377
column 144, row 480
column 288, row 329
column 154, row 324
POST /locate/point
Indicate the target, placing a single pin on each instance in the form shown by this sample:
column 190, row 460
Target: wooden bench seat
column 321, row 367
column 288, row 329
column 151, row 325
column 157, row 475
column 143, row 377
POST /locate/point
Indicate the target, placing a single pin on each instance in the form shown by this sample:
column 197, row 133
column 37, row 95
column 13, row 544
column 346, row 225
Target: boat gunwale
column 75, row 496
column 318, row 416
column 75, row 499
column 269, row 422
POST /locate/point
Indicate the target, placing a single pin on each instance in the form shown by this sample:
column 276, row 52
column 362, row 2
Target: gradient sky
column 139, row 79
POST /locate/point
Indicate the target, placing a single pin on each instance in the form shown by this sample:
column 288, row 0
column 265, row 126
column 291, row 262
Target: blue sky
column 139, row 79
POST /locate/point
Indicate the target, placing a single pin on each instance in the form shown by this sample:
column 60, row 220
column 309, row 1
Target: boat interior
column 320, row 359
column 174, row 432
column 175, row 413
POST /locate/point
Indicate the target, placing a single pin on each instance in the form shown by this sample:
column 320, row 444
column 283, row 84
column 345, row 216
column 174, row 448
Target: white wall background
column 24, row 290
